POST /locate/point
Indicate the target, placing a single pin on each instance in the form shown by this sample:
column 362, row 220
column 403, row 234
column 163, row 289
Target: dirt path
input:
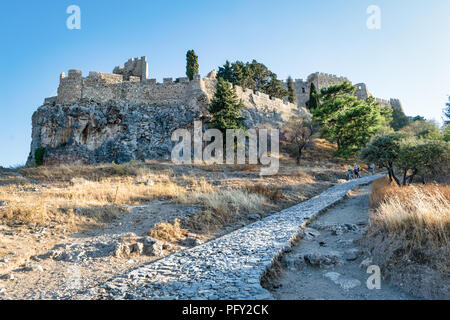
column 329, row 263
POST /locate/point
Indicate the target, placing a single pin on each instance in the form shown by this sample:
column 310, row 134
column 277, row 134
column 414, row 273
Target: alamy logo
column 374, row 20
column 73, row 281
column 257, row 147
column 374, row 281
column 74, row 20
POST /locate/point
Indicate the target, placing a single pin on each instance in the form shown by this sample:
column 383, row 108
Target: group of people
column 355, row 171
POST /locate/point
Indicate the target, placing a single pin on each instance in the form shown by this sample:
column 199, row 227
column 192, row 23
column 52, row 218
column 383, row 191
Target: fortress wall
column 137, row 92
column 70, row 87
column 103, row 87
column 325, row 80
column 258, row 101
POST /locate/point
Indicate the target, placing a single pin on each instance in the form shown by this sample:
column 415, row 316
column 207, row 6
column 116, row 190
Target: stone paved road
column 229, row 267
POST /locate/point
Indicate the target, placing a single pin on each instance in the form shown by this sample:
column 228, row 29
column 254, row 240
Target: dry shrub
column 270, row 192
column 224, row 207
column 245, row 167
column 99, row 200
column 382, row 189
column 409, row 237
column 170, row 232
column 233, row 201
column 421, row 215
column 89, row 172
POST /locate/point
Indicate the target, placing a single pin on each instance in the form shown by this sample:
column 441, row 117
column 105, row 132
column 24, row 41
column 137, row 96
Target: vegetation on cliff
column 225, row 107
column 191, row 64
column 347, row 121
column 252, row 75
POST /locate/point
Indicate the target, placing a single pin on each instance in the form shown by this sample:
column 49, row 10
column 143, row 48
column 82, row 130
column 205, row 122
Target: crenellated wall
column 123, row 115
column 112, row 117
column 104, row 87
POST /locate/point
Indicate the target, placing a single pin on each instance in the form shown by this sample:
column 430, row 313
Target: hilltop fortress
column 124, row 115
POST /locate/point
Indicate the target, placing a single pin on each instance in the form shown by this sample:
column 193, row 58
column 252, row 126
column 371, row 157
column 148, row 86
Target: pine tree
column 292, row 93
column 191, row 64
column 225, row 107
column 447, row 112
column 399, row 119
column 313, row 102
column 252, row 75
column 348, row 121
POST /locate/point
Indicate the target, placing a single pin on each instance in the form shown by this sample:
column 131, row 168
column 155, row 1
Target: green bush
column 39, row 155
column 410, row 156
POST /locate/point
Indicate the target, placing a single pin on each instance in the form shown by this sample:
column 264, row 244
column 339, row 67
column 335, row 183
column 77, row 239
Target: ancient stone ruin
column 123, row 116
column 325, row 80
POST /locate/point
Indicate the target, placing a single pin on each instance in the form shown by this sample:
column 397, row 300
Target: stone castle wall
column 120, row 117
column 104, row 87
column 123, row 115
column 133, row 68
column 325, row 80
column 320, row 80
column 278, row 109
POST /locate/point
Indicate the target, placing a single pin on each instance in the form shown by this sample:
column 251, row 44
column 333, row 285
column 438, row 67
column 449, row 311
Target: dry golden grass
column 233, row 201
column 383, row 189
column 268, row 191
column 420, row 215
column 224, row 207
column 93, row 172
column 89, row 201
column 170, row 232
column 88, row 195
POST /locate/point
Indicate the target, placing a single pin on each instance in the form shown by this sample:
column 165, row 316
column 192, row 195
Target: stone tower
column 134, row 67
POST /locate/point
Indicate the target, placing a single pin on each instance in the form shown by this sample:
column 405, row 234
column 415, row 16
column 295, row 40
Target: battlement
column 325, row 80
column 102, row 87
column 256, row 100
column 135, row 67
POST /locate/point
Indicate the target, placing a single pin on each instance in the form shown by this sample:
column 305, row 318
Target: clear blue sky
column 408, row 58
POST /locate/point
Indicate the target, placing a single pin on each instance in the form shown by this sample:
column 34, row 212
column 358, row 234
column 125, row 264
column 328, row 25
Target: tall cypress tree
column 225, row 107
column 292, row 93
column 313, row 102
column 447, row 112
column 191, row 64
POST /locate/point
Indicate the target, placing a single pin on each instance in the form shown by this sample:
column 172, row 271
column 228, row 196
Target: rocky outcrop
column 92, row 133
column 107, row 117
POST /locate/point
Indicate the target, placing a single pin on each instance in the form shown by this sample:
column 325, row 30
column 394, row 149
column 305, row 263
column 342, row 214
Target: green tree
column 252, row 75
column 191, row 64
column 298, row 133
column 427, row 157
column 447, row 112
column 313, row 101
column 399, row 119
column 384, row 151
column 348, row 121
column 39, row 155
column 417, row 118
column 226, row 72
column 225, row 107
column 399, row 152
column 446, row 132
column 292, row 93
column 424, row 129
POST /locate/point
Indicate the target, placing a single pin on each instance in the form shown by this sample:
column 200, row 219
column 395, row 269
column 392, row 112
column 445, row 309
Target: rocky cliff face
column 91, row 133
